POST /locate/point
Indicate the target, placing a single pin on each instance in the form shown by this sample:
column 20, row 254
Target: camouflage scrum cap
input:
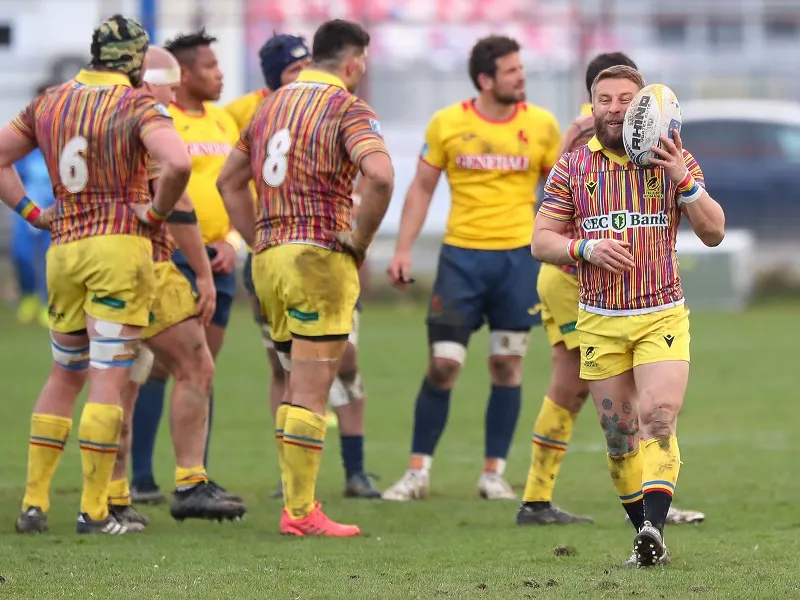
column 120, row 44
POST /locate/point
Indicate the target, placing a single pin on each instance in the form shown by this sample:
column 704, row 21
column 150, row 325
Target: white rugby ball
column 654, row 112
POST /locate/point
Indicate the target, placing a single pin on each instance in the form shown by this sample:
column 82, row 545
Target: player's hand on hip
column 352, row 243
column 225, row 260
column 609, row 254
column 670, row 157
column 206, row 298
column 399, row 270
column 45, row 218
column 143, row 213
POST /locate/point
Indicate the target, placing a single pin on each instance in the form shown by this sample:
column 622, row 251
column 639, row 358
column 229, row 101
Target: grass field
column 739, row 440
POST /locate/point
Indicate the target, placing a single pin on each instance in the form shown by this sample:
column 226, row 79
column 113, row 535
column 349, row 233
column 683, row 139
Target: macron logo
column 493, row 162
column 208, row 149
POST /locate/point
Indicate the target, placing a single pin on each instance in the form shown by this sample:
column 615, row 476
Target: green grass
column 739, row 447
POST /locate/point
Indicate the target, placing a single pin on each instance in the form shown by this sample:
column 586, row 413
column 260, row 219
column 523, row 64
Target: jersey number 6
column 275, row 166
column 72, row 169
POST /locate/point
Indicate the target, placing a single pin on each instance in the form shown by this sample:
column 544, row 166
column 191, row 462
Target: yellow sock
column 662, row 463
column 119, row 493
column 303, row 439
column 49, row 434
column 626, row 475
column 280, row 423
column 188, row 478
column 551, row 434
column 98, row 433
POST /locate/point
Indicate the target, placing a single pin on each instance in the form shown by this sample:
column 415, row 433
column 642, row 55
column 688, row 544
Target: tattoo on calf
column 621, row 434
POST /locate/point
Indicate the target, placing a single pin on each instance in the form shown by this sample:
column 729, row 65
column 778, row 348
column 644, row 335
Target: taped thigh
column 353, row 337
column 342, row 393
column 72, row 358
column 508, row 343
column 142, row 365
column 110, row 348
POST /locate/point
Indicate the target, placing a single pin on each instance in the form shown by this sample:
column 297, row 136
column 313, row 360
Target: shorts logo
column 303, row 316
column 591, row 186
column 568, row 328
column 621, row 220
column 669, row 338
column 54, row 315
column 109, row 302
column 590, row 352
column 652, row 188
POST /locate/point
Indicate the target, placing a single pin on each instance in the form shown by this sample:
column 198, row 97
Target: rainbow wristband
column 575, row 249
column 153, row 216
column 686, row 183
column 28, row 210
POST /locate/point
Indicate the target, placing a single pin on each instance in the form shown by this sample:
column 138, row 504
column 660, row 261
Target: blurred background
column 734, row 65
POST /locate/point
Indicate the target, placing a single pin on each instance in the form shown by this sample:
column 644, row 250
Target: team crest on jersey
column 652, row 188
column 163, row 110
column 591, row 186
column 375, row 127
column 522, row 137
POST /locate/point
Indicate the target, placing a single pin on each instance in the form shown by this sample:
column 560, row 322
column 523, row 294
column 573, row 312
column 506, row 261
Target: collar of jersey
column 312, row 76
column 595, row 146
column 102, row 78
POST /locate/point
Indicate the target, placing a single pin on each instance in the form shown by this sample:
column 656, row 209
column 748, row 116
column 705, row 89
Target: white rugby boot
column 414, row 485
column 493, row 486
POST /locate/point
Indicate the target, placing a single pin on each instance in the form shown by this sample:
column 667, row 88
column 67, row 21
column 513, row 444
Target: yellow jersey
column 586, row 110
column 242, row 109
column 493, row 168
column 209, row 139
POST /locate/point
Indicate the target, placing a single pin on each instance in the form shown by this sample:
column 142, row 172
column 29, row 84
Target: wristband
column 692, row 194
column 28, row 210
column 182, row 217
column 686, row 183
column 153, row 216
column 572, row 249
column 234, row 239
column 589, row 248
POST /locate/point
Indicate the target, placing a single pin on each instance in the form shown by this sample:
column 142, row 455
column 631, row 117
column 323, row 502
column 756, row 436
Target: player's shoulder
column 453, row 113
column 536, row 115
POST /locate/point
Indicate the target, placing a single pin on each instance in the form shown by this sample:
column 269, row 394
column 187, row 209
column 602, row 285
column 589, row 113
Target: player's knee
column 442, row 372
column 657, row 421
column 195, row 364
column 505, row 371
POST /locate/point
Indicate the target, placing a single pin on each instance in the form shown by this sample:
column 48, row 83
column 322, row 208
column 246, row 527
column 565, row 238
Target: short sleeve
column 552, row 149
column 557, row 201
column 243, row 143
column 361, row 132
column 150, row 116
column 433, row 149
column 24, row 124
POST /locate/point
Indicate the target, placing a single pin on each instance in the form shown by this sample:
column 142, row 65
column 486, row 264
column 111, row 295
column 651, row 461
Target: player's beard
column 610, row 138
column 509, row 97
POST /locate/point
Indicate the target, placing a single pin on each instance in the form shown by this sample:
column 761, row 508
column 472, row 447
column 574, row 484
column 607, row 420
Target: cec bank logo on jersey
column 622, row 220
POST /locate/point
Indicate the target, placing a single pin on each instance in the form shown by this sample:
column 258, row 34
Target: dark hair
column 601, row 62
column 184, row 45
column 484, row 55
column 335, row 36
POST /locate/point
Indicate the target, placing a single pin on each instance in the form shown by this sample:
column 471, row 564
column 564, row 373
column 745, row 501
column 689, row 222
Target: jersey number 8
column 275, row 165
column 72, row 169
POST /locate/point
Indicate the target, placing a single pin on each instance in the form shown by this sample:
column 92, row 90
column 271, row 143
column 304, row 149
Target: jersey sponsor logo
column 623, row 219
column 208, row 149
column 652, row 188
column 493, row 162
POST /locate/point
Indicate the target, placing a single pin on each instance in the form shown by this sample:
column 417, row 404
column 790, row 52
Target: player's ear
column 485, row 82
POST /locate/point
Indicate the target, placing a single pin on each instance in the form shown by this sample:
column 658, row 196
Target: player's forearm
column 375, row 197
column 190, row 241
column 241, row 210
column 707, row 219
column 171, row 185
column 553, row 248
column 415, row 211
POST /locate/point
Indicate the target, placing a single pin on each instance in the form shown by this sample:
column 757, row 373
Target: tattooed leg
column 617, row 409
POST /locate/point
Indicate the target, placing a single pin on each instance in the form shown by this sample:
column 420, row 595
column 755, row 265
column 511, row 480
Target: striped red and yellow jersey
column 305, row 142
column 606, row 196
column 164, row 245
column 579, row 132
column 90, row 132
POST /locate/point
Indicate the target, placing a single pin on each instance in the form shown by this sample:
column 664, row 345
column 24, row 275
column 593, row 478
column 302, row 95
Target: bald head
column 161, row 67
column 162, row 74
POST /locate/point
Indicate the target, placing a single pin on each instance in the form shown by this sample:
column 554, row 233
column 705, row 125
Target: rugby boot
column 146, row 491
column 278, row 491
column 202, row 501
column 32, row 520
column 414, row 485
column 492, row 486
column 130, row 517
column 107, row 526
column 316, row 524
column 223, row 493
column 648, row 546
column 632, row 562
column 546, row 513
column 360, row 486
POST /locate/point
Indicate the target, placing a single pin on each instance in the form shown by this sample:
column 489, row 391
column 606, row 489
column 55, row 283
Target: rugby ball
column 653, row 112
